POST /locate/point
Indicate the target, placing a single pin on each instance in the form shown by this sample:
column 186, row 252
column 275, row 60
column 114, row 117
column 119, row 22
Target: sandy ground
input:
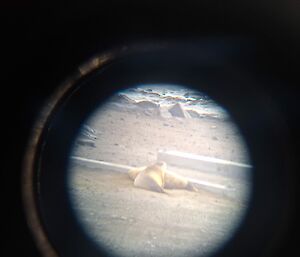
column 130, row 221
column 133, row 138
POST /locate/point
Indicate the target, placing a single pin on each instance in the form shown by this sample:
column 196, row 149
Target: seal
column 156, row 178
column 152, row 177
column 175, row 181
column 135, row 171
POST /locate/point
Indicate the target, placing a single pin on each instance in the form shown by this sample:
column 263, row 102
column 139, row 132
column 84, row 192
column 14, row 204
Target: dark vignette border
column 269, row 157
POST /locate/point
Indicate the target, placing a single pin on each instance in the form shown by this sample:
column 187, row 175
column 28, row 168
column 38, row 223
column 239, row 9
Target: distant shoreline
column 189, row 99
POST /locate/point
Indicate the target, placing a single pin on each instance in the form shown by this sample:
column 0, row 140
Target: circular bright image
column 160, row 170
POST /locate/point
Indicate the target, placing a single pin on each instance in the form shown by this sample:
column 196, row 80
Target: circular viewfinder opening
column 160, row 170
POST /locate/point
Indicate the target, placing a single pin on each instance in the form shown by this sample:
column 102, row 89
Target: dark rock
column 122, row 99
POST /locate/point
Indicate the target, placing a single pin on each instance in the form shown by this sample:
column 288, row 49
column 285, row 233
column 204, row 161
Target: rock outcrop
column 178, row 111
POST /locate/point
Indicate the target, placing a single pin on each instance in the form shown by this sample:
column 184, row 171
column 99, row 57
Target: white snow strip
column 95, row 164
column 206, row 164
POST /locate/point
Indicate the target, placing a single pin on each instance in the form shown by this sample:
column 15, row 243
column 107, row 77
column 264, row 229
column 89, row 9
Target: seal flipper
column 192, row 186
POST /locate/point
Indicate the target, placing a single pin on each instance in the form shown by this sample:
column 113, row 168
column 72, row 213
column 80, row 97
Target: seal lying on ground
column 157, row 178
